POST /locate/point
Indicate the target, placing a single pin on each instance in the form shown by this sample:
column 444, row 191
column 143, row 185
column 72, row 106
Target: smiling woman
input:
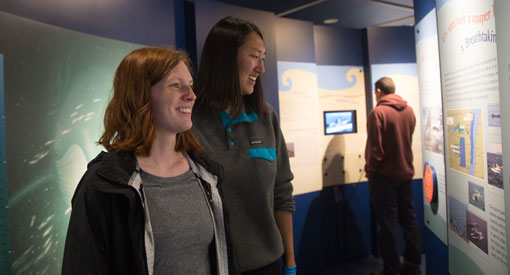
column 153, row 163
column 241, row 131
column 172, row 101
column 129, row 124
column 250, row 61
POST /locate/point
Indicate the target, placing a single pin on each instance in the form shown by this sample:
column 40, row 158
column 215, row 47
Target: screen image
column 340, row 122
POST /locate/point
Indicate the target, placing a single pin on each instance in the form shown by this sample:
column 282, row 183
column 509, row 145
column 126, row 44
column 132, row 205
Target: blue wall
column 147, row 22
column 338, row 46
column 293, row 40
column 334, row 225
column 391, row 45
column 422, row 8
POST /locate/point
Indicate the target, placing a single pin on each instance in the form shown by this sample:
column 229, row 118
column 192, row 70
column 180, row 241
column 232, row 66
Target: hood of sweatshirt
column 394, row 101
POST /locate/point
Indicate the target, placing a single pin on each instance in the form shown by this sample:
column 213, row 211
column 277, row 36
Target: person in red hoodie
column 389, row 169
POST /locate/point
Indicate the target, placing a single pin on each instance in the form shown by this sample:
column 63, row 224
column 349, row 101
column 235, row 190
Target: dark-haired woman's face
column 250, row 62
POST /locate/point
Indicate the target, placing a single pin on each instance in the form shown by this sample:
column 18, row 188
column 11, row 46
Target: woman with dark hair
column 151, row 204
column 241, row 131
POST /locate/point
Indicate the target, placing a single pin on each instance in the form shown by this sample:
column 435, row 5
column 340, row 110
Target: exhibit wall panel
column 301, row 123
column 299, row 102
column 473, row 144
column 427, row 58
column 306, row 90
column 208, row 12
column 57, row 85
column 340, row 76
column 502, row 8
column 343, row 158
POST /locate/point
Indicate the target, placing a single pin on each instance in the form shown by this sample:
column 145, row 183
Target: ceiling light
column 330, row 21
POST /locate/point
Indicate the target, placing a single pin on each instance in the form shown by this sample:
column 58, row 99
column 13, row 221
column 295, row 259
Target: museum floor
column 362, row 267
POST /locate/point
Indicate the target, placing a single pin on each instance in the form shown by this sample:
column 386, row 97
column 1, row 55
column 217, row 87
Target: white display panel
column 300, row 122
column 305, row 92
column 502, row 8
column 427, row 56
column 473, row 148
column 343, row 157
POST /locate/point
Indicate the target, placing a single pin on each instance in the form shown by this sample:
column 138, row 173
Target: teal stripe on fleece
column 227, row 120
column 265, row 153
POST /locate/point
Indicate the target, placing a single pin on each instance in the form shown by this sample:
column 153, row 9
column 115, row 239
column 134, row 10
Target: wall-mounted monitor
column 340, row 122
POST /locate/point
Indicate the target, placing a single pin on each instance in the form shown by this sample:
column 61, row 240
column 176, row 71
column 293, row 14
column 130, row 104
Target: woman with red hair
column 151, row 204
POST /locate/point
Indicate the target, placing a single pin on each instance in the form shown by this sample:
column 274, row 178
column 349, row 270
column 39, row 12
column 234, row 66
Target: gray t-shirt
column 181, row 222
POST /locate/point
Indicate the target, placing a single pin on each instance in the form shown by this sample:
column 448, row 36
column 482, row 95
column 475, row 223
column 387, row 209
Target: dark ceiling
column 355, row 14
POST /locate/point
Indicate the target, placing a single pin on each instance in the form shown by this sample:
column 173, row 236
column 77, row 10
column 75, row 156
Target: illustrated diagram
column 465, row 142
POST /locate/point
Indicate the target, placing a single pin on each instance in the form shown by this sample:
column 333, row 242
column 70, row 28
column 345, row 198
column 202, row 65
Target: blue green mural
column 5, row 246
column 57, row 85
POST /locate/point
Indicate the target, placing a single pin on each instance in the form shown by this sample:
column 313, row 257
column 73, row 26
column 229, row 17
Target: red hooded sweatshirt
column 390, row 127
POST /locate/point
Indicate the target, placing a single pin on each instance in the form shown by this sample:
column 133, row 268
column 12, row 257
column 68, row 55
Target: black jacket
column 107, row 231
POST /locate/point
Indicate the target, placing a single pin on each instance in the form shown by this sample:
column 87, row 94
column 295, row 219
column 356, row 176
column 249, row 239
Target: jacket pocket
column 263, row 153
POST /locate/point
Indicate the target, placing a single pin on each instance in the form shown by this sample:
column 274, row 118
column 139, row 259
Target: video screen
column 340, row 122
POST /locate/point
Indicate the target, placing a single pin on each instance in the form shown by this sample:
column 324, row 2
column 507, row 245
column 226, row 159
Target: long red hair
column 128, row 119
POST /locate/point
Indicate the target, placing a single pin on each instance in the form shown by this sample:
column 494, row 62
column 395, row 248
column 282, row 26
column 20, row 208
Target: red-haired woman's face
column 172, row 101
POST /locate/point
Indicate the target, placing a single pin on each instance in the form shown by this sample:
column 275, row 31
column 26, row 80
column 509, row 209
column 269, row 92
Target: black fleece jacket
column 107, row 225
